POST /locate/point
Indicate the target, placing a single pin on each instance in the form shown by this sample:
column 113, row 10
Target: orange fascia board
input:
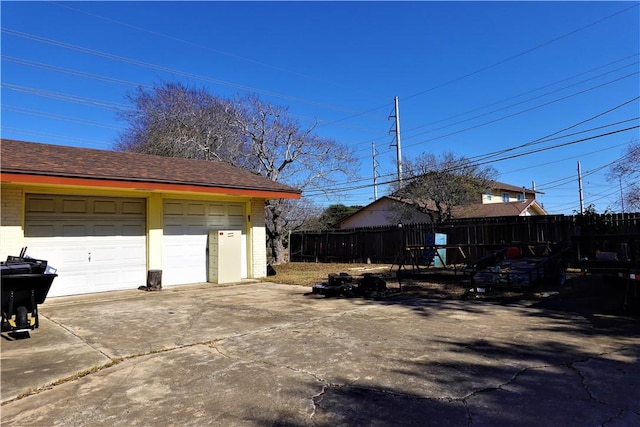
column 148, row 186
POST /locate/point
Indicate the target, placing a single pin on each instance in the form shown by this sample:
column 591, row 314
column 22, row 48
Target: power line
column 535, row 107
column 64, row 97
column 537, row 97
column 528, row 92
column 520, row 54
column 405, row 136
column 58, row 117
column 199, row 46
column 535, row 151
column 563, row 159
column 128, row 83
column 321, row 124
column 65, row 138
column 69, row 71
column 546, row 139
column 563, row 181
column 548, row 136
column 523, row 111
column 167, row 69
column 155, row 33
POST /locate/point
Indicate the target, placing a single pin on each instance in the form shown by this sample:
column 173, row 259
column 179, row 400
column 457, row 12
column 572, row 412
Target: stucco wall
column 381, row 213
column 11, row 228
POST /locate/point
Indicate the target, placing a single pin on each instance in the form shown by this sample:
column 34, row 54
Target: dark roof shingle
column 479, row 210
column 63, row 161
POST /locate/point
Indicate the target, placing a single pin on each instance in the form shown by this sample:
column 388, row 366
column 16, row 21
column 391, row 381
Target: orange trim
column 149, row 186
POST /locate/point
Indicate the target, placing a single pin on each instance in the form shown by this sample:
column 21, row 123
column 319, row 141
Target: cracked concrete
column 264, row 354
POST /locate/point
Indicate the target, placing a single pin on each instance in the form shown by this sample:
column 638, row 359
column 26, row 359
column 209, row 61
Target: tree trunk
column 278, row 252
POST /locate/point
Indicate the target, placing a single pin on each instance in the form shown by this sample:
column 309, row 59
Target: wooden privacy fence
column 474, row 237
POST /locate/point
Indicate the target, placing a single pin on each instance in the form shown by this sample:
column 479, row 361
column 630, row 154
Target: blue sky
column 472, row 78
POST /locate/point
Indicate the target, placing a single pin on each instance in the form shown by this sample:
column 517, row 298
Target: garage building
column 103, row 219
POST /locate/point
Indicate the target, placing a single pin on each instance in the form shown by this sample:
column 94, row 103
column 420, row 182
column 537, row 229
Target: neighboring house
column 103, row 219
column 503, row 193
column 501, row 200
column 386, row 210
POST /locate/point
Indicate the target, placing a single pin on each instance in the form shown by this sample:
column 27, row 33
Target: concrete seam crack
column 79, row 337
column 583, row 380
column 500, row 386
column 316, row 399
column 220, row 352
column 618, row 415
column 469, row 416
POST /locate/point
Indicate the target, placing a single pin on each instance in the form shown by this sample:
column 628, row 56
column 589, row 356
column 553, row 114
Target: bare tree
column 285, row 152
column 625, row 174
column 178, row 121
column 436, row 185
column 174, row 120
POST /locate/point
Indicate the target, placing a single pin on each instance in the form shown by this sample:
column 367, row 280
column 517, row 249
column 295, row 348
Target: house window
column 488, row 196
column 520, row 197
column 505, row 197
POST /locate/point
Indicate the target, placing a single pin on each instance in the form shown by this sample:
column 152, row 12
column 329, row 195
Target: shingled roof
column 497, row 185
column 479, row 210
column 20, row 158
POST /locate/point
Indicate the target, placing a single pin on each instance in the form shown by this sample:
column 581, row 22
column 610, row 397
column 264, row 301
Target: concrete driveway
column 258, row 354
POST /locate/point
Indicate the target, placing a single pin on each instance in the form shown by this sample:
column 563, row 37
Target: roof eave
column 141, row 185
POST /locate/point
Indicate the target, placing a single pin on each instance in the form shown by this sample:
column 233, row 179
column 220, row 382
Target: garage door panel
column 41, row 204
column 133, row 230
column 216, row 210
column 186, row 249
column 186, row 230
column 41, row 230
column 104, row 230
column 196, row 209
column 185, row 258
column 61, row 253
column 74, row 206
column 88, row 240
column 133, row 207
column 173, row 208
column 104, row 207
column 73, row 230
column 236, row 211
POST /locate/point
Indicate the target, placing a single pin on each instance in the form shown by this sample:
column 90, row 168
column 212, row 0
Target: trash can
column 154, row 280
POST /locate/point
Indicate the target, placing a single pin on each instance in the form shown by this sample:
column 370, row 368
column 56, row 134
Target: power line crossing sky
column 528, row 87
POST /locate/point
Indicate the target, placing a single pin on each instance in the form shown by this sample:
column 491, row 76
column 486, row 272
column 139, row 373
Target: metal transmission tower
column 396, row 116
column 374, row 153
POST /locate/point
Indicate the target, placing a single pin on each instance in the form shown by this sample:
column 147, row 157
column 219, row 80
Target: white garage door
column 97, row 244
column 186, row 229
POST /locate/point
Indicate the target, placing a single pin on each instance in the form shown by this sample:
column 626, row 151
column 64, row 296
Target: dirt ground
column 584, row 294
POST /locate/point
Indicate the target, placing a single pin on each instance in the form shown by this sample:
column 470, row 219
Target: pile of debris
column 370, row 285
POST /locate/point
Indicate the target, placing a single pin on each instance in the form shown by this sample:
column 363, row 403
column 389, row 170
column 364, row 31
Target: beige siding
column 12, row 231
column 496, row 196
column 384, row 212
column 258, row 240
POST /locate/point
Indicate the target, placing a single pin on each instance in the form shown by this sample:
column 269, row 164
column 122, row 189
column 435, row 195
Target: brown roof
column 479, row 210
column 29, row 158
column 497, row 185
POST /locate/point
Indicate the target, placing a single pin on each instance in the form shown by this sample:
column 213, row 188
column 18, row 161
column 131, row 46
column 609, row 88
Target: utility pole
column 580, row 188
column 375, row 170
column 396, row 116
column 621, row 193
